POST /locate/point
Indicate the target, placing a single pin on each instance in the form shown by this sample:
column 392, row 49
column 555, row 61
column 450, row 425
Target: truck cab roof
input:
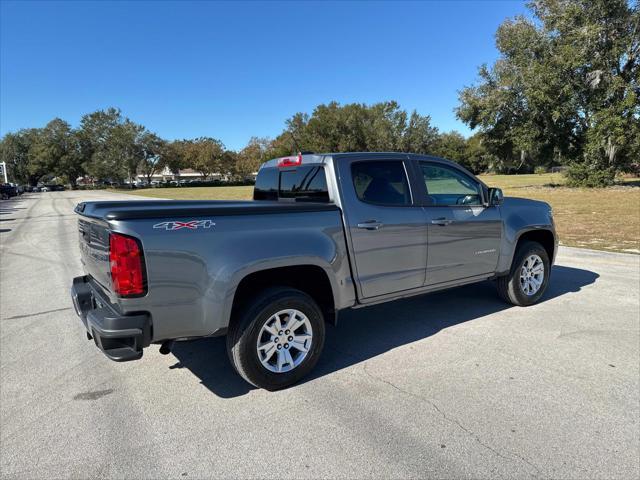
column 321, row 158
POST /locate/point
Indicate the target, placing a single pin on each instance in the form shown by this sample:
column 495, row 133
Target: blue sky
column 234, row 70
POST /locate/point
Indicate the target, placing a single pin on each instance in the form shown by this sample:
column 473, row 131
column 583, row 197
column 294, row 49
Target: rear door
column 464, row 233
column 387, row 229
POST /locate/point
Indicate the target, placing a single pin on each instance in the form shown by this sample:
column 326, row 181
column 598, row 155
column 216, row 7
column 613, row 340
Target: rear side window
column 381, row 182
column 304, row 183
column 266, row 187
column 301, row 184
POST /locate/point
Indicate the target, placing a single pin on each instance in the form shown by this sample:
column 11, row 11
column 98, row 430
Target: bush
column 90, row 187
column 581, row 175
column 540, row 170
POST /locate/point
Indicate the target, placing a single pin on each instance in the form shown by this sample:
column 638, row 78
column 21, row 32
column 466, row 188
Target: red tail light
column 290, row 161
column 127, row 269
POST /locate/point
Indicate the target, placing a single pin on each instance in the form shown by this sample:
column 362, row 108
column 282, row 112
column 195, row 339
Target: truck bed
column 148, row 209
column 191, row 271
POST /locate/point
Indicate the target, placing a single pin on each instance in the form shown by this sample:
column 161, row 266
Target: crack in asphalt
column 27, row 315
column 40, row 217
column 34, row 257
column 449, row 419
column 142, row 446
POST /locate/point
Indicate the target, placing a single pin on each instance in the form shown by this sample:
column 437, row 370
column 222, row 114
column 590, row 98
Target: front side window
column 381, row 182
column 449, row 186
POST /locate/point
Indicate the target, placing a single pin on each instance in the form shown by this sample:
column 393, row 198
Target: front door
column 388, row 232
column 464, row 233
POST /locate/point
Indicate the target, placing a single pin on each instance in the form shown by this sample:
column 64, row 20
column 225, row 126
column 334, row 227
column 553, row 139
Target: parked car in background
column 54, row 187
column 7, row 191
column 324, row 233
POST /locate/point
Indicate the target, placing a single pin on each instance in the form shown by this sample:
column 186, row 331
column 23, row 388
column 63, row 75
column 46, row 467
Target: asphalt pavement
column 454, row 384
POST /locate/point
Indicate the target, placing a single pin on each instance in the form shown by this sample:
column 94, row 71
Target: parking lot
column 454, row 384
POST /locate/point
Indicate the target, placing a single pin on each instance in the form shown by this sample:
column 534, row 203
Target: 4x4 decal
column 191, row 225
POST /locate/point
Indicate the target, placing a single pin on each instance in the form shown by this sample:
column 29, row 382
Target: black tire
column 509, row 286
column 242, row 337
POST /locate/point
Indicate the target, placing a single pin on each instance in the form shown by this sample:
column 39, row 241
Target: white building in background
column 187, row 174
column 166, row 175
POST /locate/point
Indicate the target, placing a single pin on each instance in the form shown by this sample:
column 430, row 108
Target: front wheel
column 276, row 339
column 528, row 278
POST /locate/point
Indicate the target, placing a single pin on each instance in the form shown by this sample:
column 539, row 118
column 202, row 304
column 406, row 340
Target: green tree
column 356, row 127
column 151, row 149
column 114, row 147
column 17, row 150
column 419, row 136
column 451, row 145
column 252, row 156
column 174, row 155
column 477, row 159
column 205, row 155
column 98, row 140
column 565, row 89
column 126, row 149
column 230, row 164
column 57, row 151
column 71, row 164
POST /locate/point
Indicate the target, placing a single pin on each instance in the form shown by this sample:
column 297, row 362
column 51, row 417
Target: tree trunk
column 611, row 151
column 523, row 158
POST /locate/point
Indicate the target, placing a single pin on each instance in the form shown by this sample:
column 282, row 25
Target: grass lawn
column 197, row 193
column 601, row 218
column 515, row 181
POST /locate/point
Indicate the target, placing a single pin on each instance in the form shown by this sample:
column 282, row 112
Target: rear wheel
column 528, row 278
column 276, row 339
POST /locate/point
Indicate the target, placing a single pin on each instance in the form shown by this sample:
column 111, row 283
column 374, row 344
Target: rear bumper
column 120, row 337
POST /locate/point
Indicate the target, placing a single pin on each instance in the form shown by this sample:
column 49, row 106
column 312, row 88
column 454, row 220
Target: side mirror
column 496, row 197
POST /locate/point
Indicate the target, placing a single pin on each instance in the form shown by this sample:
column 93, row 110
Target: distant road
column 450, row 385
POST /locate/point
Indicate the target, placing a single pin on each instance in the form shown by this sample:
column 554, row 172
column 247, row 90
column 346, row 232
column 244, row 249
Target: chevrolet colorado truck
column 323, row 233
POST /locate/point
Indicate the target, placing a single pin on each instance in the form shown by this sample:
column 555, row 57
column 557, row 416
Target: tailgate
column 94, row 250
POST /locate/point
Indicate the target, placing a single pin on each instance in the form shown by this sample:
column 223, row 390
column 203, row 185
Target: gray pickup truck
column 324, row 233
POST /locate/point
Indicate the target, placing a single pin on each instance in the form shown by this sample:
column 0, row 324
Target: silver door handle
column 370, row 225
column 442, row 221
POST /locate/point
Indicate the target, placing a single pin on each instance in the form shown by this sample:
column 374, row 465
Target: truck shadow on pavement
column 365, row 333
column 9, row 207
